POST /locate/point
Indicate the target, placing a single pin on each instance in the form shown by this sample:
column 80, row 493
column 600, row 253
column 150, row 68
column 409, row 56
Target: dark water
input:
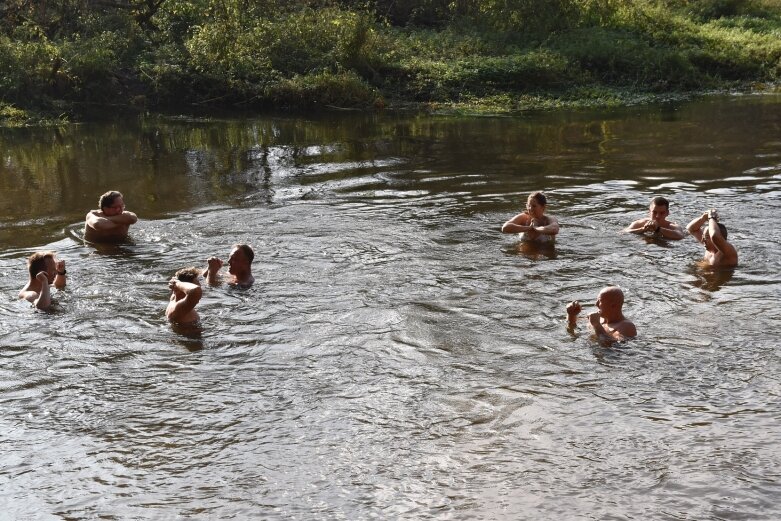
column 397, row 357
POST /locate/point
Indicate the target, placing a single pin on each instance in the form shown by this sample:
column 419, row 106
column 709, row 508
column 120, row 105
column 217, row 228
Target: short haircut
column 247, row 251
column 36, row 262
column 660, row 201
column 539, row 197
column 187, row 274
column 108, row 199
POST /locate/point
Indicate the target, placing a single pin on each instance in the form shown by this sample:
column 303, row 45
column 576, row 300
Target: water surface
column 398, row 357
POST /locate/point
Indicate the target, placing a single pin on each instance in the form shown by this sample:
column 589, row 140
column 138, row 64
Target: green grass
column 498, row 56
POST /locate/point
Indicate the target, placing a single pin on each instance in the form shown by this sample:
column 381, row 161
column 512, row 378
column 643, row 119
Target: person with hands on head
column 718, row 252
column 111, row 222
column 43, row 269
column 186, row 292
column 656, row 224
column 533, row 224
column 609, row 322
column 239, row 267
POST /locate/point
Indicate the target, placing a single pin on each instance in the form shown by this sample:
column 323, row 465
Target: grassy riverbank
column 65, row 58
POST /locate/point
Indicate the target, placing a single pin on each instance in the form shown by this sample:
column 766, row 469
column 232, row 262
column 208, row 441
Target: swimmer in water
column 185, row 294
column 718, row 252
column 110, row 223
column 656, row 224
column 609, row 322
column 43, row 269
column 533, row 224
column 239, row 267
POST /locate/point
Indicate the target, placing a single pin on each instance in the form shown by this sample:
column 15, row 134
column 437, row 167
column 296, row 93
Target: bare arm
column 125, row 218
column 192, row 295
column 59, row 279
column 573, row 310
column 518, row 224
column 674, row 232
column 624, row 331
column 552, row 228
column 211, row 273
column 44, row 300
column 637, row 226
column 103, row 223
column 695, row 227
column 727, row 253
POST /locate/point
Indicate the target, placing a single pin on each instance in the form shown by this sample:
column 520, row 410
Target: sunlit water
column 398, row 357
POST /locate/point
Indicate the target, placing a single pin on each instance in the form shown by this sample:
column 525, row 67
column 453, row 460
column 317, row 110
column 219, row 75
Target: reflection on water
column 534, row 250
column 708, row 278
column 397, row 357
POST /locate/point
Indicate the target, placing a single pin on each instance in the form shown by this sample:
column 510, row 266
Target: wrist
column 63, row 272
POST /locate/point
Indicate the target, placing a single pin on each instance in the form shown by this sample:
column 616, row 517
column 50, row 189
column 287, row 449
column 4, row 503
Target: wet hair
column 108, row 199
column 660, row 201
column 187, row 274
column 247, row 251
column 36, row 262
column 539, row 197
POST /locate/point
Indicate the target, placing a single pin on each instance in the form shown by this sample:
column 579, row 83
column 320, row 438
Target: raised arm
column 518, row 224
column 695, row 227
column 192, row 295
column 727, row 255
column 211, row 273
column 44, row 300
column 59, row 279
column 573, row 310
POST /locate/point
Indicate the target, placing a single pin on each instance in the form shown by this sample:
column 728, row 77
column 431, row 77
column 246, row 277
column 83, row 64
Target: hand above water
column 215, row 263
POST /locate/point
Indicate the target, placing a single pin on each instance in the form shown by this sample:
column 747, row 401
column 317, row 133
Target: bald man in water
column 608, row 322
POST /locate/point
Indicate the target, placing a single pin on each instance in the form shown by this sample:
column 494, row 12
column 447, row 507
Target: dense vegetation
column 65, row 56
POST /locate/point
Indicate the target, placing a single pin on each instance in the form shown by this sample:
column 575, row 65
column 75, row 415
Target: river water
column 398, row 357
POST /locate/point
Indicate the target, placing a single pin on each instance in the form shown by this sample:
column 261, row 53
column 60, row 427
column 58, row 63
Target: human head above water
column 107, row 199
column 188, row 275
column 660, row 201
column 610, row 301
column 36, row 262
column 537, row 196
column 246, row 249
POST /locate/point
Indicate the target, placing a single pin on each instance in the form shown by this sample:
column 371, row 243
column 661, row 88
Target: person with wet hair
column 186, row 292
column 110, row 223
column 239, row 267
column 608, row 322
column 532, row 224
column 656, row 224
column 43, row 269
column 718, row 252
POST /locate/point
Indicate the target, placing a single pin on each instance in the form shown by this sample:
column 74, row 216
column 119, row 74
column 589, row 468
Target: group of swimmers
column 111, row 222
column 609, row 322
